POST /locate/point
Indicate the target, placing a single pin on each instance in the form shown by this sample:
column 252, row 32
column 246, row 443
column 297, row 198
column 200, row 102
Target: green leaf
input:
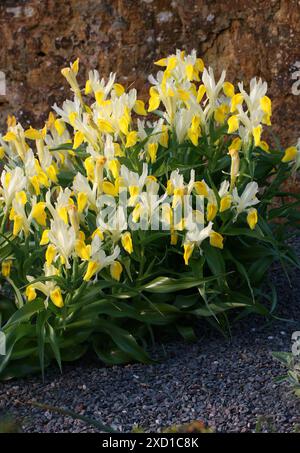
column 12, row 337
column 166, row 284
column 284, row 357
column 110, row 354
column 182, row 301
column 19, row 298
column 187, row 332
column 215, row 260
column 243, row 273
column 41, row 335
column 124, row 340
column 53, row 340
column 256, row 234
column 7, row 309
column 21, row 368
column 216, row 308
column 73, row 352
column 25, row 313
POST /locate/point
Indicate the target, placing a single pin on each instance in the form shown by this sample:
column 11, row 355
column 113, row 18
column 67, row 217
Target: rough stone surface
column 249, row 38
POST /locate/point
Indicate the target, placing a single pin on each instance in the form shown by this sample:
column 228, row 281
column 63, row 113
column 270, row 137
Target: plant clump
column 120, row 218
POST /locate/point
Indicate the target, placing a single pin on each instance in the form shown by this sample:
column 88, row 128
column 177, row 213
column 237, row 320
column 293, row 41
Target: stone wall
column 247, row 37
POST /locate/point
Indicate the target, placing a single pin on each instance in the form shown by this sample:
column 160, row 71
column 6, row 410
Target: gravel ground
column 227, row 383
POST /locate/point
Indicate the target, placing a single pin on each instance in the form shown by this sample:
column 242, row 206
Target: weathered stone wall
column 247, row 37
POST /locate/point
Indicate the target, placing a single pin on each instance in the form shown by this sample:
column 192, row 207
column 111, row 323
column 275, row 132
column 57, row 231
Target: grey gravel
column 227, row 383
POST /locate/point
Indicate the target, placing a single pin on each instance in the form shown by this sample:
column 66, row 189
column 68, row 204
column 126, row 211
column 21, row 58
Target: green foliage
column 9, row 425
column 158, row 292
column 292, row 364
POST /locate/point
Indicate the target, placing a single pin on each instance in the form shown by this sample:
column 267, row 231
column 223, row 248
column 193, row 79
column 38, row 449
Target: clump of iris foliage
column 72, row 281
